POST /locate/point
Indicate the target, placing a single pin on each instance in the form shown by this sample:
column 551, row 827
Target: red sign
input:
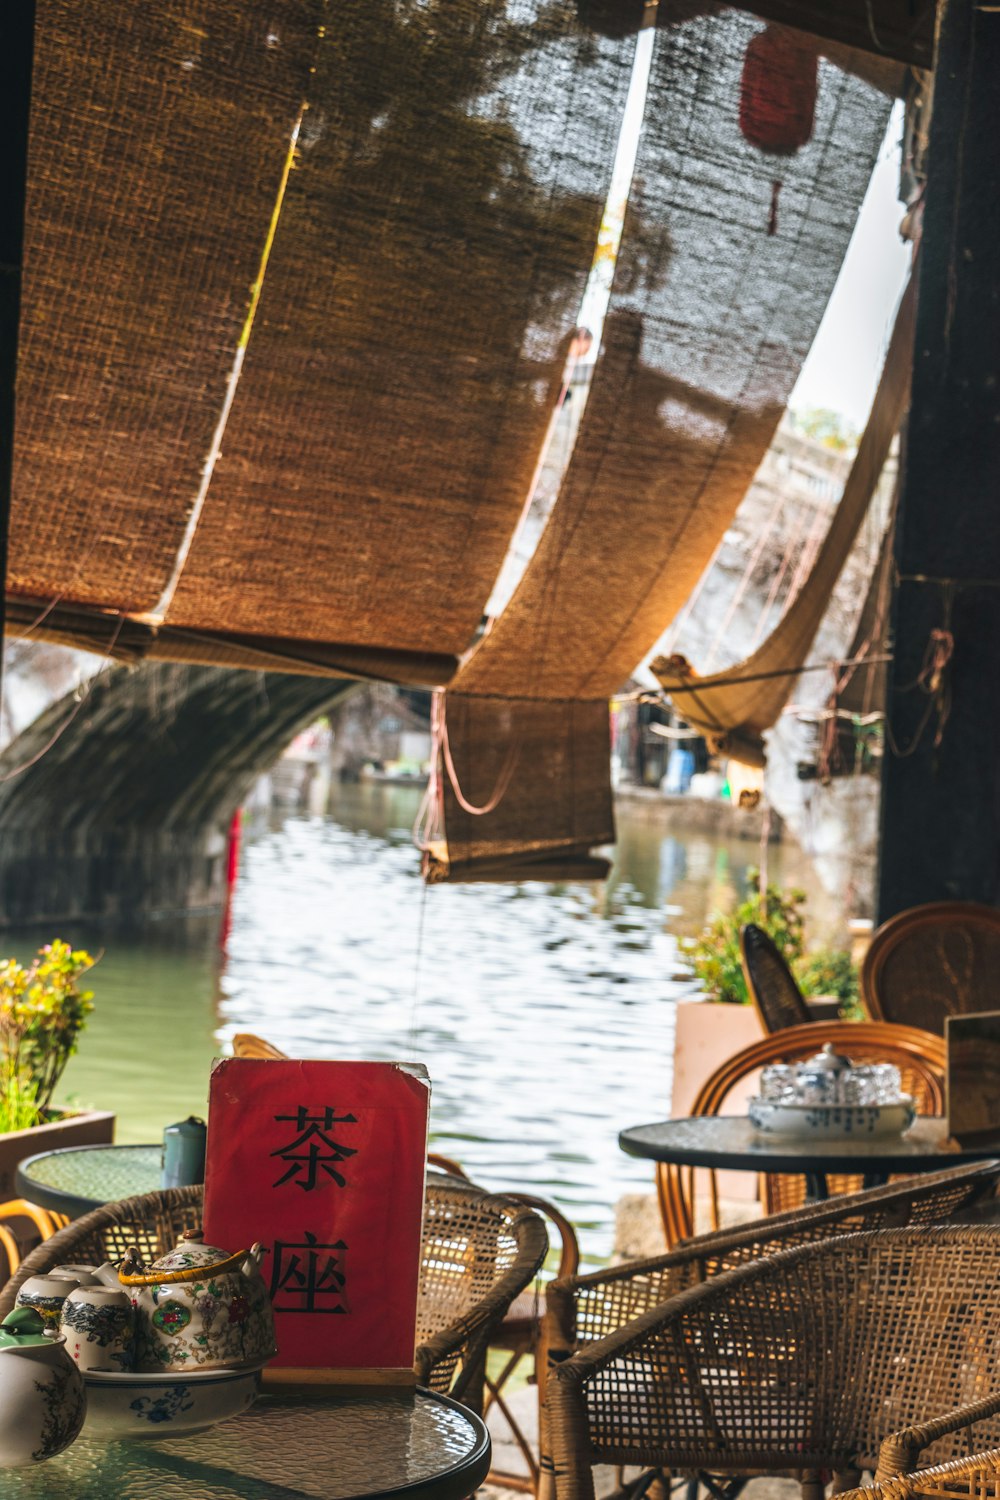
column 323, row 1163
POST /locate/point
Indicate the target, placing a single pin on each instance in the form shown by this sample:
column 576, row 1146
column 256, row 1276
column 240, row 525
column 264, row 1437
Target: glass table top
column 89, row 1176
column 732, row 1141
column 286, row 1447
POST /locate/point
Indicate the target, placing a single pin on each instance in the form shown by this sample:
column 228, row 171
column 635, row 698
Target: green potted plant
column 43, row 1009
column 823, row 974
column 715, row 955
column 722, row 1020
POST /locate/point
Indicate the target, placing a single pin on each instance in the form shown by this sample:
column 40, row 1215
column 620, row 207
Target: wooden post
column 17, row 40
column 941, row 780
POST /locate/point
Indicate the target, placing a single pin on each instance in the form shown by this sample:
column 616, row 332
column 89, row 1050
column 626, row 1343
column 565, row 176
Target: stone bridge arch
column 115, row 802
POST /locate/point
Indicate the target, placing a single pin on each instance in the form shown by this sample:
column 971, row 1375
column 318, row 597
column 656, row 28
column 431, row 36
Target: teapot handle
column 130, row 1277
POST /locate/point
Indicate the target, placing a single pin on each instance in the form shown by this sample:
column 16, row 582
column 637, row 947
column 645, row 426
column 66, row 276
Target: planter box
column 707, row 1032
column 88, row 1128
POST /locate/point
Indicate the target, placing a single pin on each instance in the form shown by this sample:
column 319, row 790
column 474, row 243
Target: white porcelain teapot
column 199, row 1307
column 42, row 1397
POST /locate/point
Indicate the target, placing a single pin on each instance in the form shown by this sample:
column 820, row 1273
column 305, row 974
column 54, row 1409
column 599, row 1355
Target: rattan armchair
column 919, row 1056
column 933, row 961
column 976, row 1477
column 582, row 1309
column 778, row 1000
column 799, row 1362
column 521, row 1336
column 479, row 1251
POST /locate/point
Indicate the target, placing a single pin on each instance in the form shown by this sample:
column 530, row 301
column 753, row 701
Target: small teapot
column 820, row 1079
column 199, row 1307
column 42, row 1397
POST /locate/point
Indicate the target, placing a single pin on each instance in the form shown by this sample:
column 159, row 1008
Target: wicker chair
column 582, row 1309
column 246, row 1044
column 799, row 1362
column 479, row 1251
column 974, row 1478
column 519, row 1333
column 933, row 961
column 520, row 1336
column 778, row 1000
column 919, row 1056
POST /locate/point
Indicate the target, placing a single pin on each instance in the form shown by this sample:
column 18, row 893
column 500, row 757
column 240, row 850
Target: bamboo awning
column 299, row 282
column 733, row 707
column 729, row 255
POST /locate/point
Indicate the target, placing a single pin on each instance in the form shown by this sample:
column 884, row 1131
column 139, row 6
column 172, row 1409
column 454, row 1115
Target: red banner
column 323, row 1163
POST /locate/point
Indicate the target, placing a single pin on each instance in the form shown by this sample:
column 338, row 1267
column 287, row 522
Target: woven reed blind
column 728, row 258
column 733, row 715
column 158, row 135
column 422, row 284
column 426, row 272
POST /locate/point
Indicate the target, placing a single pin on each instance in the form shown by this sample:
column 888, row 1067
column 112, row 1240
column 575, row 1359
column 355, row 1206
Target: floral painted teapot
column 42, row 1397
column 199, row 1307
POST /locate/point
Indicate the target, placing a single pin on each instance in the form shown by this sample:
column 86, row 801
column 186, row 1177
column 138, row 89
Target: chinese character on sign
column 314, row 1149
column 309, row 1277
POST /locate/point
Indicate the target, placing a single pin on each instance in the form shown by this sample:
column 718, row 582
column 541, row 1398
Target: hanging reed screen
column 424, row 265
column 729, row 255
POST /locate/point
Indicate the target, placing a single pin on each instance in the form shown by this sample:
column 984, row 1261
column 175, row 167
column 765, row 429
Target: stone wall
column 116, row 801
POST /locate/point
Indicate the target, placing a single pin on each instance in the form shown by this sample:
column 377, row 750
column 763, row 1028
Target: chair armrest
column 979, row 1474
column 901, row 1450
column 582, row 1309
column 466, row 1339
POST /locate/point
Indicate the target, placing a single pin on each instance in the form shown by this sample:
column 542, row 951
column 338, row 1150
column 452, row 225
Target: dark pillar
column 17, row 37
column 941, row 801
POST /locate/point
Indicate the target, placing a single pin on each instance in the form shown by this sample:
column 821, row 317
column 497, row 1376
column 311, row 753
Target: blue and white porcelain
column 831, row 1121
column 829, row 1097
column 46, row 1294
column 98, row 1324
column 42, row 1400
column 144, row 1406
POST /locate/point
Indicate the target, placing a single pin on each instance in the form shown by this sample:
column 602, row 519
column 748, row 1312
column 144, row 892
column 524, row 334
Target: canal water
column 544, row 1014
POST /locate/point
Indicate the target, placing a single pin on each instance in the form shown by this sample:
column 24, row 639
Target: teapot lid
column 189, row 1260
column 828, row 1061
column 190, row 1250
column 22, row 1329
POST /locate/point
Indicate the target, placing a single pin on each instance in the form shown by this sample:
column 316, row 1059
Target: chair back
column 245, row 1044
column 771, row 983
column 152, row 1221
column 805, row 1360
column 933, row 961
column 478, row 1251
column 580, row 1309
column 919, row 1055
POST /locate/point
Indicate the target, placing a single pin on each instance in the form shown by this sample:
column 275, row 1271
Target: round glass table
column 732, row 1142
column 343, row 1446
column 79, row 1178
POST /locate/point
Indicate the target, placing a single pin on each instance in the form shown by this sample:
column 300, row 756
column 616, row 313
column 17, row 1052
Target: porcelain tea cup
column 98, row 1324
column 46, row 1294
column 81, row 1274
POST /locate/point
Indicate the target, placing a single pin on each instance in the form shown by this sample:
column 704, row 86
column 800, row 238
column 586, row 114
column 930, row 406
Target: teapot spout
column 254, row 1256
column 108, row 1275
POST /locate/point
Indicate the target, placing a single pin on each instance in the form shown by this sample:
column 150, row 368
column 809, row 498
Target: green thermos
column 183, row 1153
